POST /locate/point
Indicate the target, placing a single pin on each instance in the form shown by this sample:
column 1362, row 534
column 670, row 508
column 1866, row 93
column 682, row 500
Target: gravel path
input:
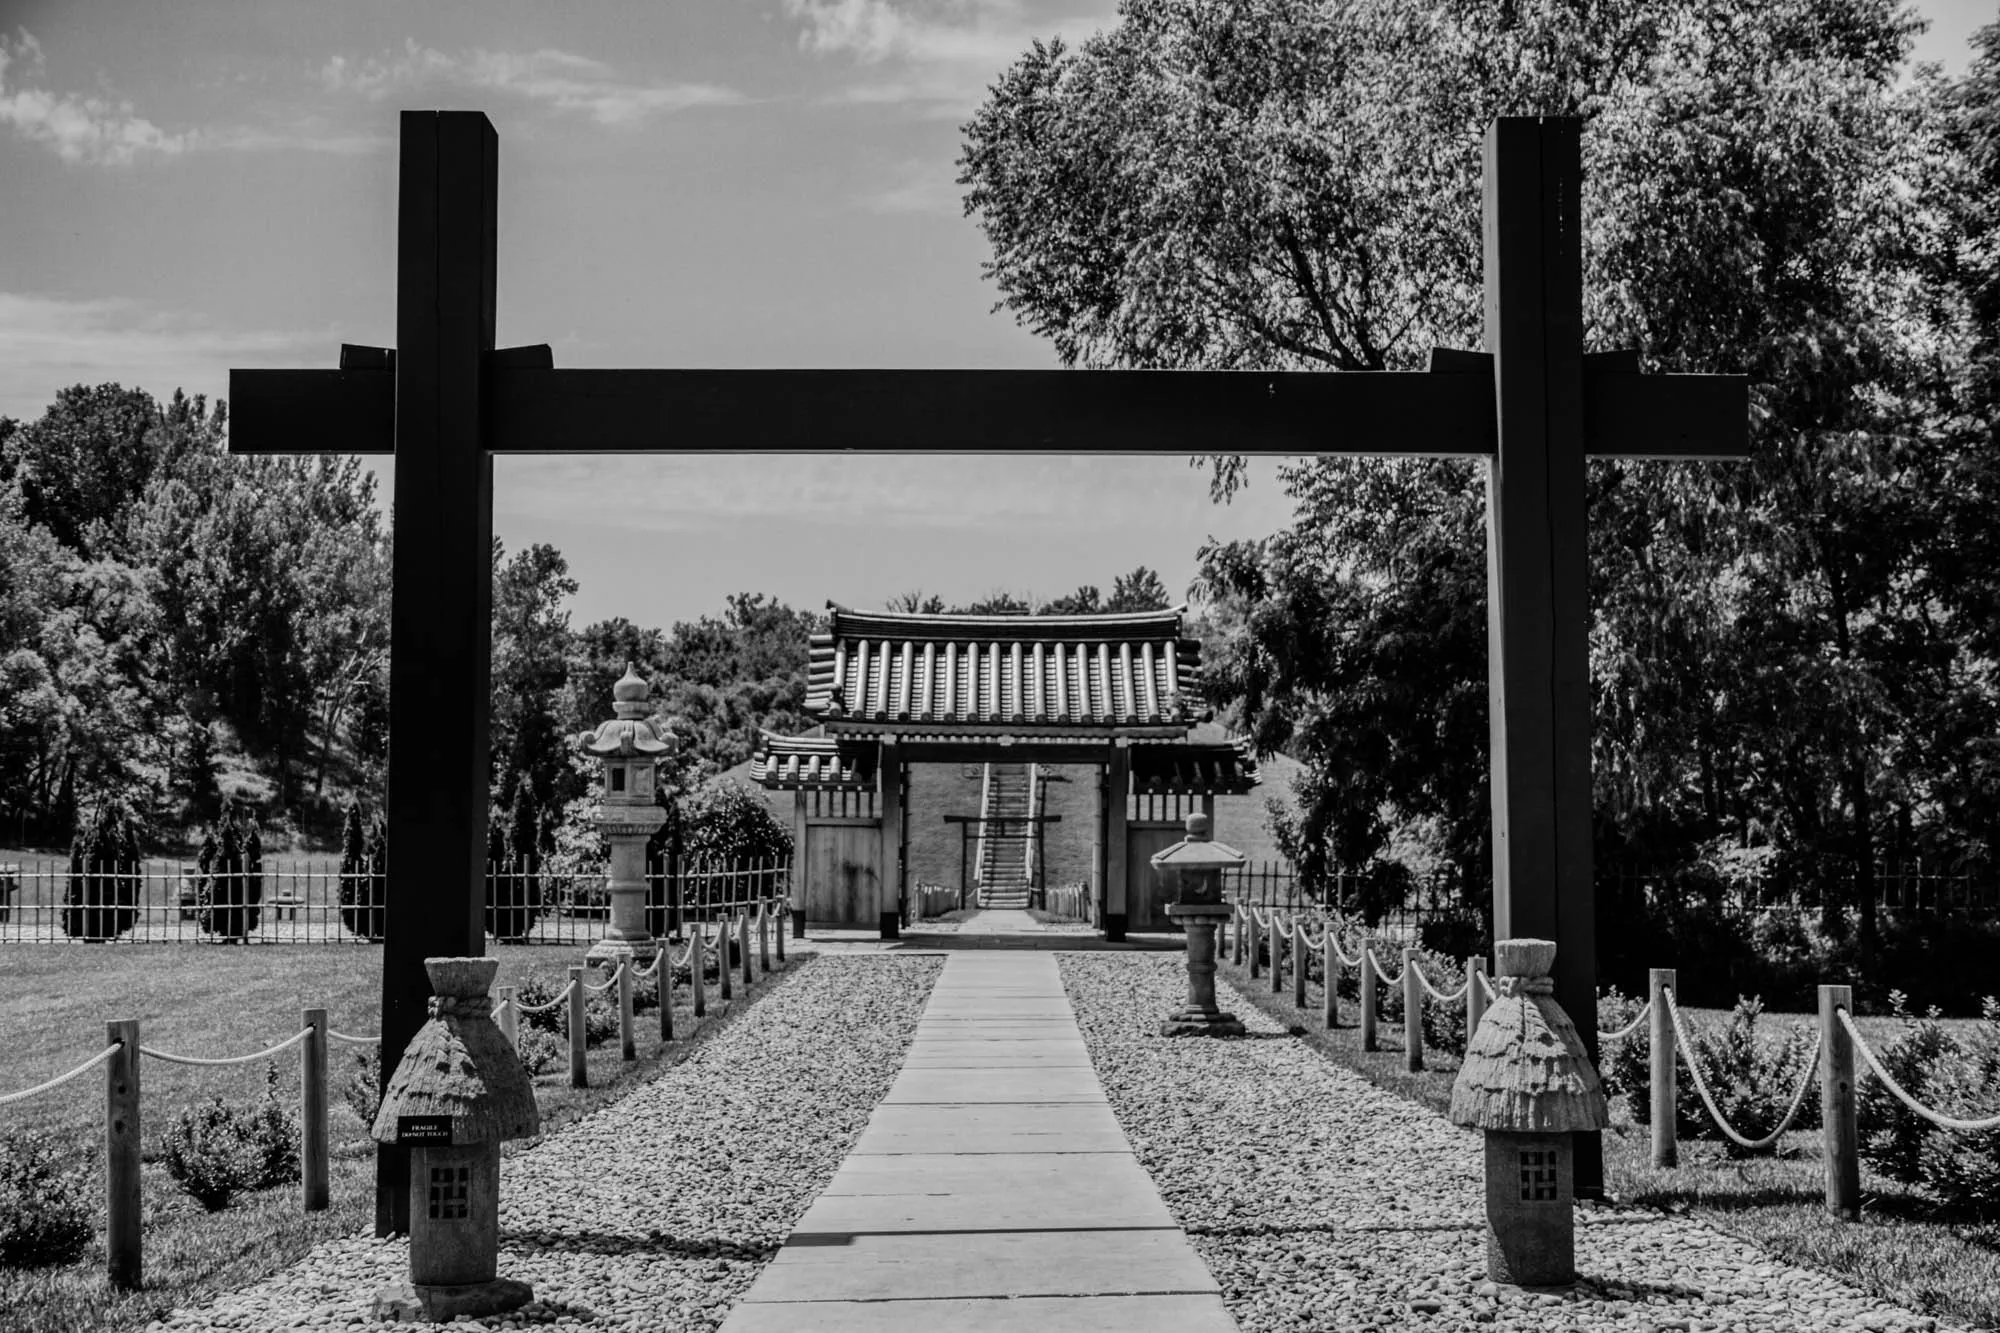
column 658, row 1211
column 1321, row 1202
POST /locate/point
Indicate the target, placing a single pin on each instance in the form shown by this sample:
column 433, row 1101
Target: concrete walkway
column 992, row 1190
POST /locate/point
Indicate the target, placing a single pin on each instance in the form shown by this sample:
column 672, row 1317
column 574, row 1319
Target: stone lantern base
column 413, row 1303
column 1200, row 1017
column 610, row 953
column 1530, row 1220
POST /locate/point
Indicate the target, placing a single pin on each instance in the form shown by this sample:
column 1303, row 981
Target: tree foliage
column 1796, row 651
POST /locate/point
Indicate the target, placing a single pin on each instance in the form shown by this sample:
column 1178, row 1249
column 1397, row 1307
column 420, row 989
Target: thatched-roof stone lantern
column 1527, row 1082
column 628, row 747
column 458, row 1092
column 1193, row 869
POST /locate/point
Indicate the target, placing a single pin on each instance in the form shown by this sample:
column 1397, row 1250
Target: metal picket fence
column 313, row 902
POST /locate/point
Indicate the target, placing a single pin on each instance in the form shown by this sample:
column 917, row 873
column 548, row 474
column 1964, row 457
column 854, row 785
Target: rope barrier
column 60, row 1079
column 266, row 1053
column 1438, row 995
column 1375, row 961
column 607, row 983
column 1487, row 986
column 1630, row 1028
column 349, row 1039
column 1937, row 1118
column 1701, row 1086
column 560, row 996
column 1341, row 953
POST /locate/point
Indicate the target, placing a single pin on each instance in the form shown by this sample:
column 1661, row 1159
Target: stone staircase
column 1004, row 873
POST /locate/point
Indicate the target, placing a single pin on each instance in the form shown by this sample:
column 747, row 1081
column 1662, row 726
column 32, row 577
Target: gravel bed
column 658, row 1211
column 1321, row 1202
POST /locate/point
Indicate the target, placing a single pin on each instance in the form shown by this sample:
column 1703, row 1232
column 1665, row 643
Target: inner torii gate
column 444, row 401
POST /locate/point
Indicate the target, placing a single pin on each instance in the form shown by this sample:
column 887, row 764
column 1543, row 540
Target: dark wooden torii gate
column 445, row 401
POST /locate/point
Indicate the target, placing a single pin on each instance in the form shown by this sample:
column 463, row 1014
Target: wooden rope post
column 1413, row 1012
column 1839, row 1136
column 764, row 938
column 666, row 979
column 1665, row 1096
column 1255, row 946
column 510, row 1017
column 121, row 1155
column 1475, row 996
column 1277, row 942
column 743, row 944
column 1239, row 923
column 1298, row 964
column 1368, row 995
column 579, row 1072
column 779, row 933
column 726, row 989
column 1329, row 965
column 312, row 1114
column 696, row 966
column 628, row 1046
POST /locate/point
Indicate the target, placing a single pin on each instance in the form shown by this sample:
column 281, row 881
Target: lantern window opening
column 617, row 777
column 1538, row 1175
column 451, row 1193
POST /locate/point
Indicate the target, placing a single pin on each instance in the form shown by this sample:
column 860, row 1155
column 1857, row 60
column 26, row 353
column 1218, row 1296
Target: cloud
column 79, row 129
column 561, row 80
column 50, row 342
column 938, row 56
column 98, row 131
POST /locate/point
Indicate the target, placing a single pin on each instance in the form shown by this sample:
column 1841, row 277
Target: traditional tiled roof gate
column 889, row 689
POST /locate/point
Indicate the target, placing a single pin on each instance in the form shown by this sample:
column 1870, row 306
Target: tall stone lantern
column 1193, row 870
column 628, row 748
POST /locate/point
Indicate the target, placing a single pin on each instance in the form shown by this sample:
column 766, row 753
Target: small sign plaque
column 422, row 1129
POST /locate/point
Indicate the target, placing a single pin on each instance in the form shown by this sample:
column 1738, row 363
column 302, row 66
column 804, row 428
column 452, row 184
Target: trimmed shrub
column 541, row 1052
column 1892, row 1135
column 44, row 1214
column 1624, row 1066
column 217, row 1151
column 513, row 878
column 101, row 900
column 1959, row 1077
column 364, row 880
column 232, row 885
column 362, row 1088
column 1963, row 1169
column 1751, row 1080
column 600, row 1012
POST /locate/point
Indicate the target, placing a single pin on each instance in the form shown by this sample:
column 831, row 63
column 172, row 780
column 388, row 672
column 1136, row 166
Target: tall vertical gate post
column 441, row 606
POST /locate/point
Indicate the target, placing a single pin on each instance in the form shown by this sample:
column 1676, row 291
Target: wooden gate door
column 843, row 874
column 1146, row 898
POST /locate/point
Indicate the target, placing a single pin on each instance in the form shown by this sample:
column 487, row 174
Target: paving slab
column 945, row 1087
column 1031, row 1314
column 1050, row 1127
column 945, row 1267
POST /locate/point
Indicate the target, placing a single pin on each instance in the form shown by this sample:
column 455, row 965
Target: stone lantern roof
column 629, row 733
column 460, row 1065
column 1198, row 850
column 1525, row 1070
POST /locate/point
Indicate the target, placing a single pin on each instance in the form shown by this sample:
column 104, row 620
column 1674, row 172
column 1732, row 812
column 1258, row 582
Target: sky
column 192, row 187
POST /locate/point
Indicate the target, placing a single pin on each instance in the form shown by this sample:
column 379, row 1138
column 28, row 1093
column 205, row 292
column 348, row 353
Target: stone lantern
column 627, row 816
column 1527, row 1082
column 1193, row 870
column 458, row 1092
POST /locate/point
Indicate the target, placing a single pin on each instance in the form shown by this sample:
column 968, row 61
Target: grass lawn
column 210, row 1002
column 1905, row 1248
